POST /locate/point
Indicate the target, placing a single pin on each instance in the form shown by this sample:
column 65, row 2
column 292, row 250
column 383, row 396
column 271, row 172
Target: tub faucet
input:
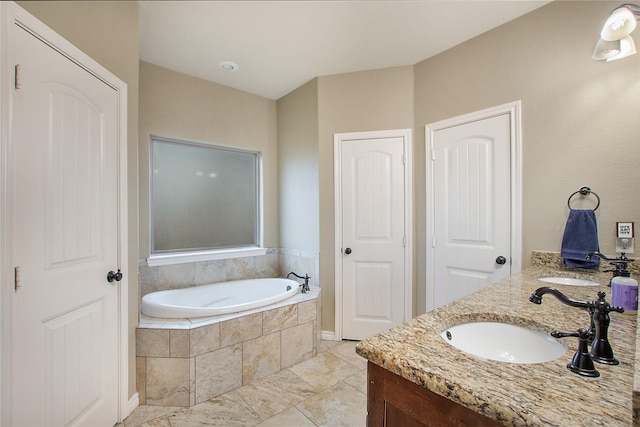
column 305, row 286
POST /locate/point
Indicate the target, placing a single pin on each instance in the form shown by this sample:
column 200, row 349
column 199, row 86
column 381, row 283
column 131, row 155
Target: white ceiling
column 280, row 45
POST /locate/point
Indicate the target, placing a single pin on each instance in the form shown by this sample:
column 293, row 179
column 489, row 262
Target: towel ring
column 584, row 191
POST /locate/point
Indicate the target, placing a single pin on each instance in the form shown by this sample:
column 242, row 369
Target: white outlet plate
column 625, row 245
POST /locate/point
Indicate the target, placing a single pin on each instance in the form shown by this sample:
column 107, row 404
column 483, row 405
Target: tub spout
column 305, row 285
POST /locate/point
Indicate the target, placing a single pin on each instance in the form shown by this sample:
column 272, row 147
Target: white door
column 471, row 172
column 63, row 202
column 373, row 235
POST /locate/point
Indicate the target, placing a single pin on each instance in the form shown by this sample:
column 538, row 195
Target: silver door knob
column 501, row 260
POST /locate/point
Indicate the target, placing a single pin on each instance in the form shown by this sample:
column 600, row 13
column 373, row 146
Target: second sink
column 504, row 342
column 568, row 281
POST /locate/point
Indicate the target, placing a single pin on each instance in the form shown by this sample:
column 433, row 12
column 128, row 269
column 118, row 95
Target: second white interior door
column 471, row 207
column 373, row 237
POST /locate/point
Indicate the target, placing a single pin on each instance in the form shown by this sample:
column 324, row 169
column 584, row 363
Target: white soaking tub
column 217, row 298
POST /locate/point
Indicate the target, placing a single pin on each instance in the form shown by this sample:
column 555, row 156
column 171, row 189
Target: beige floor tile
column 289, row 418
column 346, row 350
column 228, row 410
column 275, row 393
column 341, row 405
column 326, row 345
column 158, row 422
column 143, row 414
column 358, row 381
column 324, row 370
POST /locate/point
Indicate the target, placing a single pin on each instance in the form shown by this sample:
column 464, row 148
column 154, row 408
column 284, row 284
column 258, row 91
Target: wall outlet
column 624, row 237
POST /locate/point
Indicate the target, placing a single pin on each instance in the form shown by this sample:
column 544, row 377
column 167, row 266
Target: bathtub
column 217, row 298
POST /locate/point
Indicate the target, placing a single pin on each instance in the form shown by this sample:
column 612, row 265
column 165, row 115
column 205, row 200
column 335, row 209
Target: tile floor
column 328, row 390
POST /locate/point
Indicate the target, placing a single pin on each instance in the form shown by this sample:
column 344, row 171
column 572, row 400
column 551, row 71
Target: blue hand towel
column 580, row 237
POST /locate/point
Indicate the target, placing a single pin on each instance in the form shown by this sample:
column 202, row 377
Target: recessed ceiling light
column 227, row 66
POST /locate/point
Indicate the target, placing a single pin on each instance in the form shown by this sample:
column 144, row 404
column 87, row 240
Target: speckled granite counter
column 533, row 395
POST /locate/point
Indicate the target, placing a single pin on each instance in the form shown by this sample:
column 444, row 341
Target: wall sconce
column 615, row 38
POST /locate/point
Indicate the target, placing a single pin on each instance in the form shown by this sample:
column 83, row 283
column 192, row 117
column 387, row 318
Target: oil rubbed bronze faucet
column 601, row 351
column 620, row 265
column 305, row 285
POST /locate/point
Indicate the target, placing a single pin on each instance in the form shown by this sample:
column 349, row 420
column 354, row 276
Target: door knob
column 112, row 275
column 501, row 260
column 347, row 251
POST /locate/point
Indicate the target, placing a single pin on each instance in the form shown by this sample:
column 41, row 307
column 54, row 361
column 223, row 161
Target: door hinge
column 404, row 159
column 16, row 78
column 404, row 241
column 433, row 242
column 16, row 278
column 433, row 155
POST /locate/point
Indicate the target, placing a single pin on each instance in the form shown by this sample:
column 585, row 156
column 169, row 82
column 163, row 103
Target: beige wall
column 353, row 102
column 108, row 33
column 183, row 107
column 298, row 161
column 580, row 118
column 580, row 121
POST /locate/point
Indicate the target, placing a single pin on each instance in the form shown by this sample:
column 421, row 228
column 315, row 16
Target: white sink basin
column 568, row 281
column 504, row 342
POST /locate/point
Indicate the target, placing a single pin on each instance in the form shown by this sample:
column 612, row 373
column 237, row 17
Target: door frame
column 513, row 109
column 338, row 140
column 11, row 15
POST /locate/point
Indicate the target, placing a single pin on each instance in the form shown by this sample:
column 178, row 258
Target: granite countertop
column 534, row 394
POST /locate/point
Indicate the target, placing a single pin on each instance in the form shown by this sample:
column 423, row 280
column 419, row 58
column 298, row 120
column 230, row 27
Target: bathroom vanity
column 416, row 378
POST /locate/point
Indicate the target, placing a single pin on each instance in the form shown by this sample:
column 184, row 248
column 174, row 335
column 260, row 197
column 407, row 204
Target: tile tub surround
column 532, row 395
column 183, row 362
column 277, row 262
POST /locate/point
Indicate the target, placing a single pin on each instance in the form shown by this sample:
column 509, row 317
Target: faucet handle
column 603, row 306
column 582, row 363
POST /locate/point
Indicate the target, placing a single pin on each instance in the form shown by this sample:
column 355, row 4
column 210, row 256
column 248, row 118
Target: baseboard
column 133, row 403
column 328, row 335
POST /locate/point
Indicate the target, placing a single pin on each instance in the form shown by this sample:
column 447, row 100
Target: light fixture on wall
column 615, row 38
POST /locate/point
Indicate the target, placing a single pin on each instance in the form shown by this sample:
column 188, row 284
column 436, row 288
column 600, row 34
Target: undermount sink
column 568, row 281
column 504, row 342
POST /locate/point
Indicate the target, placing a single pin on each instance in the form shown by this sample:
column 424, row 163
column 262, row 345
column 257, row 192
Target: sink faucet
column 536, row 297
column 599, row 310
column 620, row 264
column 305, row 286
column 601, row 350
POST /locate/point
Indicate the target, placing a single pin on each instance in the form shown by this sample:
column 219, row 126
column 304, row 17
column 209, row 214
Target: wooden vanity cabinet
column 393, row 401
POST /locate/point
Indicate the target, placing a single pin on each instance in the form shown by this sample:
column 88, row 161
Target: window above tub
column 204, row 202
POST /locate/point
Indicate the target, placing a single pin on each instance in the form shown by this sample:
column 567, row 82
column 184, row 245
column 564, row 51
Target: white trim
column 329, row 336
column 181, row 258
column 133, row 403
column 514, row 109
column 10, row 15
column 338, row 139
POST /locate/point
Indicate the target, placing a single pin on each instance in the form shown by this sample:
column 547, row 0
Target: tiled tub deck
column 183, row 362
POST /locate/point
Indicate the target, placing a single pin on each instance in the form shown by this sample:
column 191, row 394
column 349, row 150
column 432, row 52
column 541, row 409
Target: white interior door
column 63, row 216
column 471, row 207
column 373, row 201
